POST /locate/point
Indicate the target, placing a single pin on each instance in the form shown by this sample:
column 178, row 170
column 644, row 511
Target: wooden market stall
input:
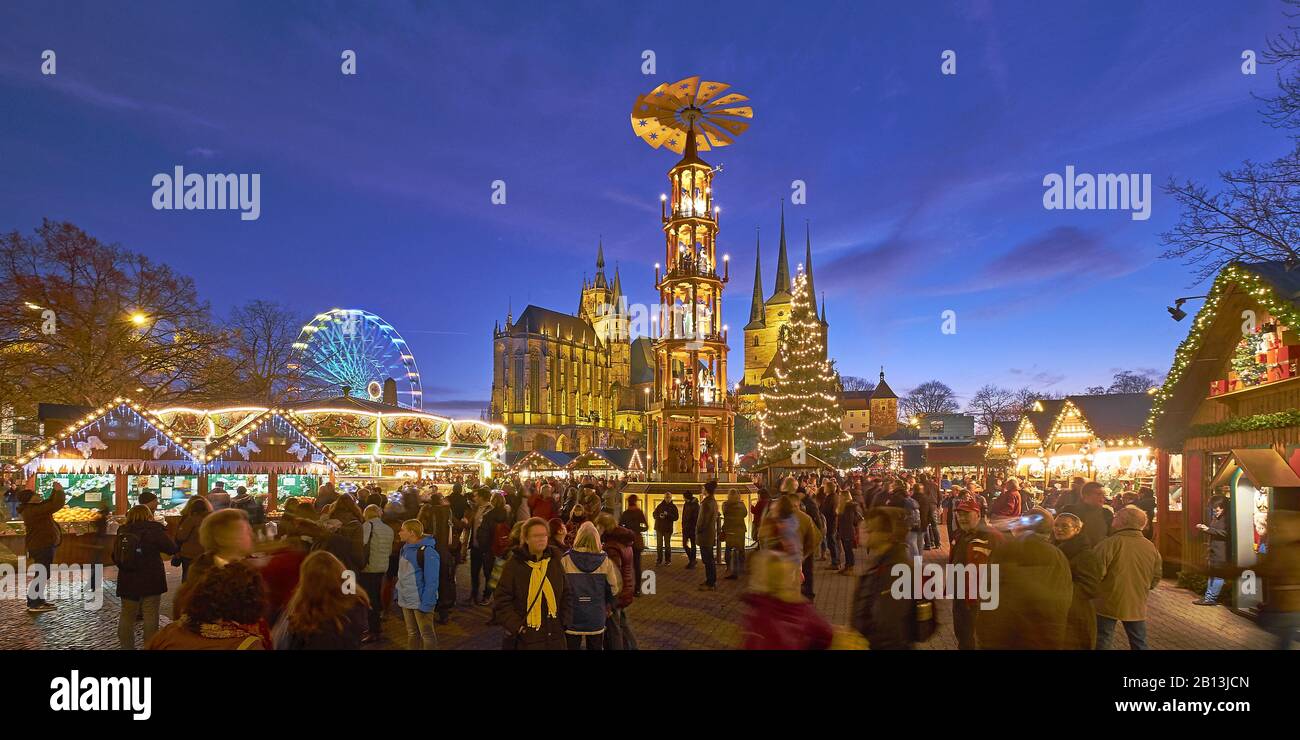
column 1028, row 445
column 549, row 463
column 997, row 451
column 1227, row 420
column 272, row 456
column 605, row 462
column 1100, row 437
column 772, row 472
column 955, row 458
column 103, row 461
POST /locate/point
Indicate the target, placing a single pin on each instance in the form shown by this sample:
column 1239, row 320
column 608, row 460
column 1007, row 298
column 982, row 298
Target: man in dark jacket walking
column 706, row 533
column 42, row 539
column 665, row 516
column 690, row 518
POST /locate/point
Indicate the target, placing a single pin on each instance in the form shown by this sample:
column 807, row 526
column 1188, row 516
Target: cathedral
column 767, row 318
column 570, row 382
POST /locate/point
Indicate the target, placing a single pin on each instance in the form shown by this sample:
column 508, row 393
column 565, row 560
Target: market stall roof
column 1114, row 415
column 623, row 459
column 544, row 460
column 1037, row 422
column 268, row 442
column 119, row 437
column 954, row 455
column 1204, row 353
column 1263, row 466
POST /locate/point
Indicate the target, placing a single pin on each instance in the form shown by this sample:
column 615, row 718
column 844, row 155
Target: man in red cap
column 973, row 547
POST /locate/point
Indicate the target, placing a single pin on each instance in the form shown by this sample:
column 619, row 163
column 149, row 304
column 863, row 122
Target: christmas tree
column 1245, row 360
column 804, row 404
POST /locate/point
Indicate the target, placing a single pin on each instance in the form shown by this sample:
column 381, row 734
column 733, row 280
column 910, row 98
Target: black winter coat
column 146, row 576
column 886, row 622
column 510, row 603
column 1217, row 552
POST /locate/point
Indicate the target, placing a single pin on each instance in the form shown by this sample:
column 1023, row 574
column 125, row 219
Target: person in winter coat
column 224, row 614
column 542, row 503
column 1130, row 569
column 665, row 516
column 591, row 583
column 973, row 546
column 1008, row 504
column 1279, row 567
column 777, row 616
column 417, row 585
column 226, row 538
column 1216, row 554
column 706, row 532
column 690, row 520
column 1146, row 501
column 141, row 578
column 1085, row 572
column 633, row 519
column 439, row 514
column 1034, row 591
column 829, row 508
column 734, row 528
column 1096, row 518
column 531, row 600
column 757, row 511
column 325, row 496
column 187, row 532
column 810, row 535
column 847, row 519
column 490, row 513
column 887, row 623
column 42, row 538
column 219, row 497
column 617, row 542
column 377, row 539
column 246, row 502
column 320, row 615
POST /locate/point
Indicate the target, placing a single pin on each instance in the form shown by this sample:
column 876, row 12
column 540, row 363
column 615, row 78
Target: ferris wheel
column 356, row 349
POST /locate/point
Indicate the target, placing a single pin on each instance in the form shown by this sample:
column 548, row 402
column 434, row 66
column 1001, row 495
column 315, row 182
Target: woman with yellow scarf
column 529, row 601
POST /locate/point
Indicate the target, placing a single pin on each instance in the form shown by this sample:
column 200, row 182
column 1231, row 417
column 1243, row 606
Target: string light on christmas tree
column 803, row 405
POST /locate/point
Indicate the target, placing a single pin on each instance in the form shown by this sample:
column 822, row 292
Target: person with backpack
column 417, row 585
column 141, row 578
column 42, row 538
column 377, row 538
column 591, row 583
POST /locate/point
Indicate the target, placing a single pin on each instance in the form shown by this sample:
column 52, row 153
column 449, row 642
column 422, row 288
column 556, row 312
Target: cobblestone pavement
column 676, row 616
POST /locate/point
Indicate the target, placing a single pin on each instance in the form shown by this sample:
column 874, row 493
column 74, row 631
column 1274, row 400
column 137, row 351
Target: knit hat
column 148, row 497
column 968, row 503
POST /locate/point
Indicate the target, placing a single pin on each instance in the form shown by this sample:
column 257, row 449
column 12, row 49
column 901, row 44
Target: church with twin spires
column 766, row 319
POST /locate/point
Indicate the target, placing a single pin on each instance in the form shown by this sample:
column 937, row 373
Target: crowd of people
column 559, row 562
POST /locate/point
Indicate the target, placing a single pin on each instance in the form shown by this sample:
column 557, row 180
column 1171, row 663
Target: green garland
column 1281, row 310
column 1277, row 420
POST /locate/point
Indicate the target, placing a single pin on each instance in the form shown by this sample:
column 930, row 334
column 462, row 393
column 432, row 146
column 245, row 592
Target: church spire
column 756, row 306
column 599, row 281
column 807, row 266
column 782, row 263
column 824, row 324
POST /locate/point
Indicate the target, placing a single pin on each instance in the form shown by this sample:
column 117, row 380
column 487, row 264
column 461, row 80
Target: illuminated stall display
column 1027, row 446
column 997, row 451
column 1100, row 438
column 264, row 450
column 97, row 456
column 607, row 462
column 1227, row 420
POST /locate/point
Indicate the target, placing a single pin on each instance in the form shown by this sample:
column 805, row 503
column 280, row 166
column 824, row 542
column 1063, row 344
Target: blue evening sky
column 924, row 191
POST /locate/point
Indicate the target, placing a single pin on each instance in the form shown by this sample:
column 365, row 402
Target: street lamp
column 1176, row 311
column 138, row 318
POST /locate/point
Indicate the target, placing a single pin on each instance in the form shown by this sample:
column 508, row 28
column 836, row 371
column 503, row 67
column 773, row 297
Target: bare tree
column 1127, row 381
column 989, row 405
column 1254, row 216
column 930, row 397
column 261, row 337
column 856, row 383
